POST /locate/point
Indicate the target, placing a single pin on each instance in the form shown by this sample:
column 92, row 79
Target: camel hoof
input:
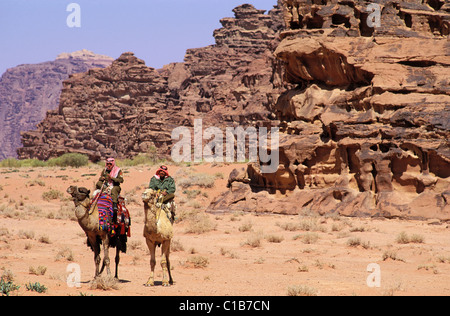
column 166, row 284
column 149, row 283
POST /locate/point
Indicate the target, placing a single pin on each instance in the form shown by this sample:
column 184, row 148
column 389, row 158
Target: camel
column 89, row 222
column 158, row 231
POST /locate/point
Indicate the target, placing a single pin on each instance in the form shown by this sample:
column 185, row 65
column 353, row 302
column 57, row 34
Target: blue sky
column 157, row 31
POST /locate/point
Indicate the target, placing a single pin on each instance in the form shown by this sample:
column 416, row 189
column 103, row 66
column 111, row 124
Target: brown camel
column 88, row 220
column 158, row 231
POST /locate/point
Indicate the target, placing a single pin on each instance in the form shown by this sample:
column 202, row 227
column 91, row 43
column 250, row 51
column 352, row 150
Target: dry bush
column 199, row 223
column 105, row 283
column 186, row 179
column 308, row 238
column 403, row 238
column 65, row 253
column 37, row 271
column 301, row 290
column 288, row 226
column 274, row 238
column 176, row 245
column 28, row 234
column 390, row 254
column 52, row 194
column 246, row 227
column 198, row 262
column 254, row 240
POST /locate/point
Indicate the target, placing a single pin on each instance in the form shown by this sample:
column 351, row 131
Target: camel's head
column 78, row 194
column 147, row 195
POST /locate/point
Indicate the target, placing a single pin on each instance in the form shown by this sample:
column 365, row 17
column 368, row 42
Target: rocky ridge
column 129, row 108
column 363, row 111
column 366, row 123
column 27, row 92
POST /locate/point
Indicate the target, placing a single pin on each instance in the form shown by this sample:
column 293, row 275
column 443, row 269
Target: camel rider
column 166, row 184
column 113, row 176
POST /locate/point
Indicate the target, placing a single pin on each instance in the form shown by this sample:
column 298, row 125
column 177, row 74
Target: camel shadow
column 118, row 281
column 159, row 283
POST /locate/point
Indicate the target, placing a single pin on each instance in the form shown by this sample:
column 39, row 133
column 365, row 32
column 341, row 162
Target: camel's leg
column 117, row 261
column 165, row 263
column 105, row 242
column 168, row 264
column 97, row 258
column 152, row 248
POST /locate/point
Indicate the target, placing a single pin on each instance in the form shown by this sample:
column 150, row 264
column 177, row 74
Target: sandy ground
column 245, row 255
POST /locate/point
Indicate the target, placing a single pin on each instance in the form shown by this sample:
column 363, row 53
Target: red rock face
column 27, row 92
column 366, row 123
column 129, row 108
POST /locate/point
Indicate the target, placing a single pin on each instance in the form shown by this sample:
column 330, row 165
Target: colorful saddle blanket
column 107, row 221
column 105, row 212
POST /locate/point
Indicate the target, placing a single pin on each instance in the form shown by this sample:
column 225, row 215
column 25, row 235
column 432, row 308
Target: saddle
column 108, row 221
column 123, row 221
column 164, row 203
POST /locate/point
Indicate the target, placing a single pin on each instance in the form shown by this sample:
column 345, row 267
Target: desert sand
column 213, row 254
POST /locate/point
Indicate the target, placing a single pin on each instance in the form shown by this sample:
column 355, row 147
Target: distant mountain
column 27, row 92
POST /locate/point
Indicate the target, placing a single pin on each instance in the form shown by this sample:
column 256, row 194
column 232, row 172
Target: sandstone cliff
column 365, row 126
column 129, row 108
column 27, row 92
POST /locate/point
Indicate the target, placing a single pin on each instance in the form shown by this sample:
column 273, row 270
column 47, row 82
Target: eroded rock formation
column 129, row 108
column 365, row 126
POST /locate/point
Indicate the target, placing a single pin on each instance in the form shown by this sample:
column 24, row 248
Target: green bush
column 69, row 160
column 36, row 287
column 141, row 159
column 10, row 163
column 7, row 287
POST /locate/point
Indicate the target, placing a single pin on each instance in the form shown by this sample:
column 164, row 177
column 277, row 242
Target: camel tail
column 119, row 241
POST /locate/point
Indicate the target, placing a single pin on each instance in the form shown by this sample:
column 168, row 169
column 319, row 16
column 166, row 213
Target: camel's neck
column 148, row 211
column 82, row 210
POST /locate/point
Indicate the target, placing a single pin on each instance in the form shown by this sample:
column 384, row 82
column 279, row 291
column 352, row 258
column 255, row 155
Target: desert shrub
column 192, row 194
column 187, row 178
column 246, row 227
column 301, row 290
column 37, row 271
column 141, row 159
column 403, row 238
column 254, row 240
column 199, row 223
column 274, row 238
column 105, row 283
column 65, row 253
column 308, row 238
column 26, row 234
column 10, row 163
column 390, row 254
column 198, row 262
column 289, row 226
column 354, row 242
column 6, row 287
column 69, row 160
column 36, row 287
column 52, row 195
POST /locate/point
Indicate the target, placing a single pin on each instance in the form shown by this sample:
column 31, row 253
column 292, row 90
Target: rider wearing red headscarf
column 163, row 181
column 113, row 176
